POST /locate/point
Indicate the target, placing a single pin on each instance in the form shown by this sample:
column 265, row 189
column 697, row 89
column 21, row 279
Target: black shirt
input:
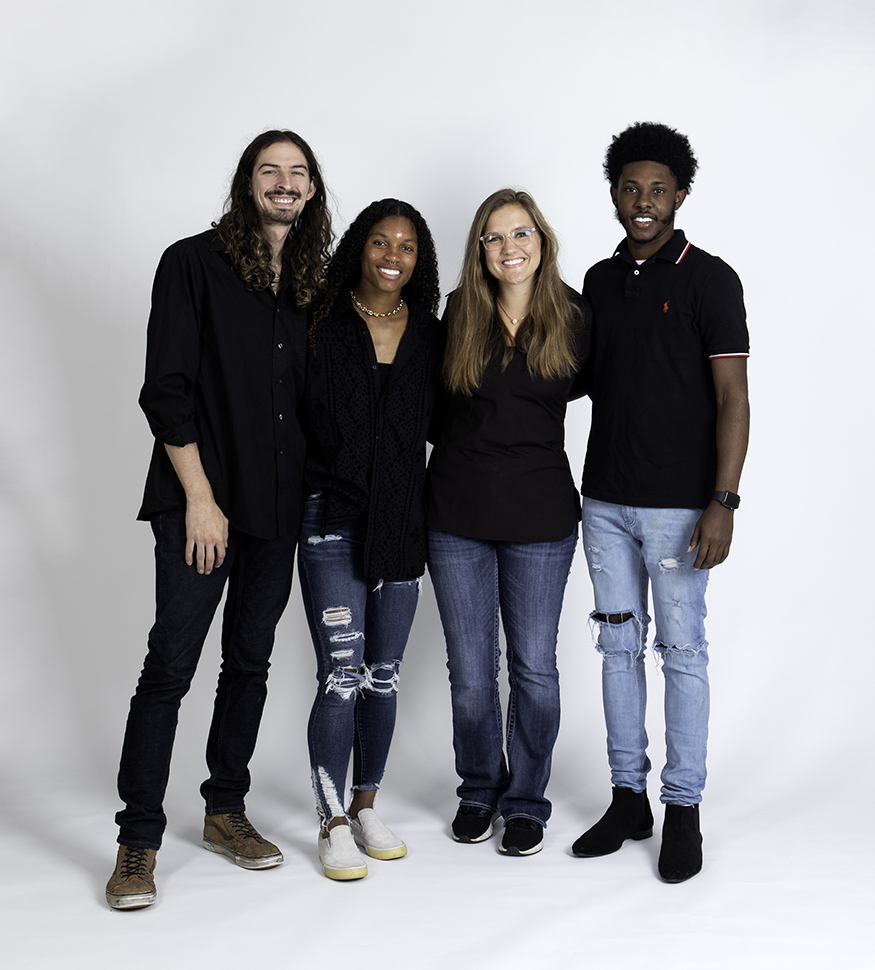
column 499, row 471
column 656, row 327
column 366, row 433
column 224, row 368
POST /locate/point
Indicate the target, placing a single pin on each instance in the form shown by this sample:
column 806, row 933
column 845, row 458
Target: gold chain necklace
column 373, row 313
column 509, row 317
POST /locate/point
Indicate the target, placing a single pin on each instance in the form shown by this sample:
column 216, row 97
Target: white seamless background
column 122, row 124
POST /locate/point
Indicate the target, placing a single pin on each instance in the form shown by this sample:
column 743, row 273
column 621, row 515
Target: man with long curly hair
column 224, row 375
column 668, row 439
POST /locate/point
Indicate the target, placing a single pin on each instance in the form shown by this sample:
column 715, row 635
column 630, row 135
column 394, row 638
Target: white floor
column 786, row 884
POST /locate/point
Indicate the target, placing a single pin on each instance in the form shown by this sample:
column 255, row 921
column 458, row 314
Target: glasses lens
column 493, row 240
column 522, row 235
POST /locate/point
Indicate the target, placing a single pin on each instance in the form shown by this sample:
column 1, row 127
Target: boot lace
column 242, row 826
column 133, row 862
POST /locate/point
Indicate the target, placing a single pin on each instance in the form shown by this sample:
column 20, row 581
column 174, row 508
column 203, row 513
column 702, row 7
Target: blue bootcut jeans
column 359, row 631
column 259, row 577
column 628, row 548
column 479, row 583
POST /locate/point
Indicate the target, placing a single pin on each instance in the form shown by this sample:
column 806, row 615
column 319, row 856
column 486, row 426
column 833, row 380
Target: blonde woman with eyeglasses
column 503, row 512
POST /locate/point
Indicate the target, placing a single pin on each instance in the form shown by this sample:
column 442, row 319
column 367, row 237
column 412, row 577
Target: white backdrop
column 122, row 124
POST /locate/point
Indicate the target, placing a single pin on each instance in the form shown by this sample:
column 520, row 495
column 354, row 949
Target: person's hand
column 206, row 536
column 713, row 536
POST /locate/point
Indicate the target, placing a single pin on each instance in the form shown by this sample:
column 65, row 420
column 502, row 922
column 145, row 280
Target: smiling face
column 516, row 261
column 646, row 198
column 280, row 184
column 388, row 258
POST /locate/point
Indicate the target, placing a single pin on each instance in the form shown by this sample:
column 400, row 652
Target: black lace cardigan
column 366, row 449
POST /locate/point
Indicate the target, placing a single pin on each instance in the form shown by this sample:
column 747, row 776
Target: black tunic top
column 225, row 369
column 499, row 471
column 366, row 442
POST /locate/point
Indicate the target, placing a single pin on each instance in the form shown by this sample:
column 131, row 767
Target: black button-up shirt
column 224, row 368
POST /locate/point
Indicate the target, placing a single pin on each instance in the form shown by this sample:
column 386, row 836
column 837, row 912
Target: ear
column 679, row 197
column 312, row 191
column 614, row 195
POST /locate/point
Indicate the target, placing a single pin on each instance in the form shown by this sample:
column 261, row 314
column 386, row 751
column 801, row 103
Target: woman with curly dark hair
column 503, row 510
column 372, row 375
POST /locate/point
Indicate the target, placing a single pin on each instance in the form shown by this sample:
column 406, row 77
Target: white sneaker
column 340, row 856
column 379, row 841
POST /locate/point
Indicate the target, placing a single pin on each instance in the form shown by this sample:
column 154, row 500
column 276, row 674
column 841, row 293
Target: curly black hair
column 648, row 141
column 345, row 266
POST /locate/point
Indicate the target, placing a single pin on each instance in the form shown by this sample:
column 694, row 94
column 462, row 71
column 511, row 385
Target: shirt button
column 280, row 346
column 281, row 417
column 636, row 273
column 373, row 366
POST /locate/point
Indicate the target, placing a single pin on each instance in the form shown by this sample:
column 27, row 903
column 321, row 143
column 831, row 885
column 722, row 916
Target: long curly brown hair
column 307, row 245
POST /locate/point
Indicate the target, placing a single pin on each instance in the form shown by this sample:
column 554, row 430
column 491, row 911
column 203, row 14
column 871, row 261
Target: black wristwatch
column 728, row 500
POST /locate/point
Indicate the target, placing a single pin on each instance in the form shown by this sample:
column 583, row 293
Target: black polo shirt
column 225, row 369
column 656, row 327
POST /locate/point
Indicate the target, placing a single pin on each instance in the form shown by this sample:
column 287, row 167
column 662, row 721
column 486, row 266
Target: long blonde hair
column 546, row 335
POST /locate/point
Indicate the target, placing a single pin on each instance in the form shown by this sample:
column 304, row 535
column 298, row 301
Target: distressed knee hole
column 687, row 650
column 315, row 540
column 337, row 616
column 345, row 681
column 382, row 678
column 612, row 617
column 619, row 635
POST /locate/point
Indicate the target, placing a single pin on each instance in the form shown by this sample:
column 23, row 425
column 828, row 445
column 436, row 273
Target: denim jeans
column 627, row 549
column 359, row 631
column 259, row 577
column 522, row 584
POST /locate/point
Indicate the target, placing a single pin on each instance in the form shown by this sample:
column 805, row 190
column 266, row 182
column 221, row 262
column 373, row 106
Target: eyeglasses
column 495, row 240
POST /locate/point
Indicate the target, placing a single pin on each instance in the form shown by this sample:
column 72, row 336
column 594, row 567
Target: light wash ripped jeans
column 626, row 549
column 359, row 631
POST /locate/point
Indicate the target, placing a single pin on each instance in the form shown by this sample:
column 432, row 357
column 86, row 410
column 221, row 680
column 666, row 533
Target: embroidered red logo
column 665, row 307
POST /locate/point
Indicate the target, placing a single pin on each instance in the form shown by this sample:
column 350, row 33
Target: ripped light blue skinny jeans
column 627, row 549
column 359, row 630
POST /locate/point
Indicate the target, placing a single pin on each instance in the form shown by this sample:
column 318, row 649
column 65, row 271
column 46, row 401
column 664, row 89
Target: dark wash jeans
column 478, row 585
column 259, row 577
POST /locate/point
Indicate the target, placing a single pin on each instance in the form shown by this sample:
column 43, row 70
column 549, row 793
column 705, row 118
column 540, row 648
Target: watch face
column 727, row 499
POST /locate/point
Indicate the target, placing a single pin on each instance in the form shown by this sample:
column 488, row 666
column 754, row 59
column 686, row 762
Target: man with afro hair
column 669, row 433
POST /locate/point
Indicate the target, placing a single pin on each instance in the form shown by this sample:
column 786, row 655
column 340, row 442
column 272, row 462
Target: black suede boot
column 680, row 857
column 628, row 817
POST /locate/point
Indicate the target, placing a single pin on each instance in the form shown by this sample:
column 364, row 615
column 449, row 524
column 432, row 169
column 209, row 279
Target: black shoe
column 522, row 836
column 472, row 824
column 628, row 817
column 680, row 857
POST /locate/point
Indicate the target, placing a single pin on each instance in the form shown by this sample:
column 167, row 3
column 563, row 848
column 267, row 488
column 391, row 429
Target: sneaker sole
column 359, row 872
column 245, row 861
column 513, row 850
column 131, row 900
column 397, row 853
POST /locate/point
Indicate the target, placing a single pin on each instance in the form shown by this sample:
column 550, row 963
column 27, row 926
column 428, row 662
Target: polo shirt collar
column 673, row 251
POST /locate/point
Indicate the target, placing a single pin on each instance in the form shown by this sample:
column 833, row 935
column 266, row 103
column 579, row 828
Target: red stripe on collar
column 684, row 253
